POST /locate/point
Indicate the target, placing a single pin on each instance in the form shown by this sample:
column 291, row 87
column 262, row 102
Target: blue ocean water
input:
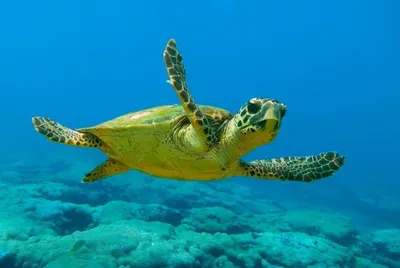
column 334, row 64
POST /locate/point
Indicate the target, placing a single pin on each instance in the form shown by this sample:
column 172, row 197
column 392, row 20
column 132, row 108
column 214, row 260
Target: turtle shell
column 152, row 117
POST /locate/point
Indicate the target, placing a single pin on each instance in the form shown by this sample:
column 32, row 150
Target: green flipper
column 58, row 133
column 303, row 169
column 177, row 78
column 109, row 168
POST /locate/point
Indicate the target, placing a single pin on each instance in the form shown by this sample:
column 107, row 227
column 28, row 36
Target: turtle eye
column 253, row 108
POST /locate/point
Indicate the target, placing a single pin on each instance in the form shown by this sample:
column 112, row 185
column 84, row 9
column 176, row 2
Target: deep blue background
column 335, row 64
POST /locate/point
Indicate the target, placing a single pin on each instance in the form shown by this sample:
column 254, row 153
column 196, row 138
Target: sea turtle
column 191, row 141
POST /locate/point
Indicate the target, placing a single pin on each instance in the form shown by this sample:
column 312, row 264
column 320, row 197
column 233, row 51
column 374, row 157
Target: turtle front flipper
column 58, row 133
column 177, row 78
column 303, row 169
column 109, row 168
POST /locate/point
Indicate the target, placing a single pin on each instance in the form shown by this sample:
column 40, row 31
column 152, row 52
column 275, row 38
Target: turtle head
column 259, row 121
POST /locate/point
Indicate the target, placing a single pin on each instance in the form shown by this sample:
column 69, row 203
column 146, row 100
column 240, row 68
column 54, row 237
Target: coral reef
column 162, row 223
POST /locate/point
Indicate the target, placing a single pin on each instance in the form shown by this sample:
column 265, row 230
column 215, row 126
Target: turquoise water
column 334, row 64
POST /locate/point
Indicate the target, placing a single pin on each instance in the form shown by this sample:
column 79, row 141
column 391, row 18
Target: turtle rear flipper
column 303, row 169
column 109, row 168
column 58, row 133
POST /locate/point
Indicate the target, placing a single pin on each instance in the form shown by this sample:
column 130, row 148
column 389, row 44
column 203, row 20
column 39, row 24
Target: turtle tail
column 58, row 133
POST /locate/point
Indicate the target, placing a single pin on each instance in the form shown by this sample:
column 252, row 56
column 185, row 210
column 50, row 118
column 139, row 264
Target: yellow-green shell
column 161, row 115
column 148, row 140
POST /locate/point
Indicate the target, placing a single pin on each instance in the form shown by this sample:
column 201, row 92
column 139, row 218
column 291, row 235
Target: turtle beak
column 272, row 115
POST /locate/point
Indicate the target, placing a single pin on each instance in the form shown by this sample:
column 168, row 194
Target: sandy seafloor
column 50, row 219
